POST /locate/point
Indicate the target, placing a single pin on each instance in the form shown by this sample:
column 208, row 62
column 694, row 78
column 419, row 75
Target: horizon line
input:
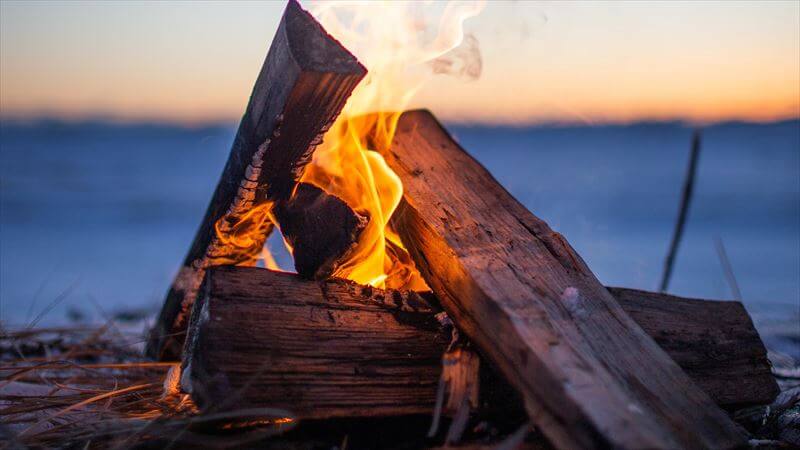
column 113, row 119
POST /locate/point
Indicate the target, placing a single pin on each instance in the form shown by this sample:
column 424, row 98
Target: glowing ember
column 257, row 423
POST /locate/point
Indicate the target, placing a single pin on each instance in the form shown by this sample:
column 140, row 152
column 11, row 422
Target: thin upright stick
column 727, row 268
column 686, row 198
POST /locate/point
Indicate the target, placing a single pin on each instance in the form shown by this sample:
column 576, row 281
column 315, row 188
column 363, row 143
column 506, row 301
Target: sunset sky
column 588, row 62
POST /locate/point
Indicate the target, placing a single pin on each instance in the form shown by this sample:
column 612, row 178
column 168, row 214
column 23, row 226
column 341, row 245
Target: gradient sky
column 542, row 61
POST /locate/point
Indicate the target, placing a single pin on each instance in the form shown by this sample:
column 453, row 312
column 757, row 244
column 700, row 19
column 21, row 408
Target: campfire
column 407, row 250
column 416, row 272
column 422, row 287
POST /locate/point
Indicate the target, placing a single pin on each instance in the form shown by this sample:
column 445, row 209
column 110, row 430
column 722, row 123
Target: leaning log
column 304, row 82
column 336, row 349
column 589, row 375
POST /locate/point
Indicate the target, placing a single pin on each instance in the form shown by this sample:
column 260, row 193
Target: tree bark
column 589, row 375
column 303, row 84
column 336, row 349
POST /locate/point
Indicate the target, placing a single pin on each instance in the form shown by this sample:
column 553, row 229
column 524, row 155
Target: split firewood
column 714, row 342
column 337, row 349
column 459, row 385
column 589, row 375
column 318, row 348
column 302, row 87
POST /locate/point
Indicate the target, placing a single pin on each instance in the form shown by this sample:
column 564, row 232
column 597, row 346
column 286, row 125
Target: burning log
column 589, row 375
column 337, row 349
column 303, row 84
column 306, row 221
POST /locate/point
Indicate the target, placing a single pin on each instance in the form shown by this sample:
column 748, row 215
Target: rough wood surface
column 287, row 350
column 304, row 82
column 335, row 349
column 589, row 375
column 714, row 342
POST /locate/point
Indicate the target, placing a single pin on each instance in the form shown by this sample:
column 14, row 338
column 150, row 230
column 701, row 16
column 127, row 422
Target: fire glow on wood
column 401, row 49
column 376, row 205
column 325, row 154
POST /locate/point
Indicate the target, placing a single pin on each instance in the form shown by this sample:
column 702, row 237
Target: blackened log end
column 321, row 229
column 313, row 48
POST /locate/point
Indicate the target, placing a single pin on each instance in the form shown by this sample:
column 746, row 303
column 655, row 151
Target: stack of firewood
column 516, row 323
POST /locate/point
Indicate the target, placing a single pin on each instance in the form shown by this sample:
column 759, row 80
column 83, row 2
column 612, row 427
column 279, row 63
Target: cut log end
column 320, row 228
column 313, row 48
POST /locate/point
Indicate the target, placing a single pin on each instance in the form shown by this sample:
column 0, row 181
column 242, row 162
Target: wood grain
column 589, row 375
column 714, row 342
column 304, row 82
column 319, row 349
column 336, row 349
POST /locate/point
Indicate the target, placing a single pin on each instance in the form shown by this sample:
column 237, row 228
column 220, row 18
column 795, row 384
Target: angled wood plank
column 336, row 349
column 304, row 82
column 589, row 375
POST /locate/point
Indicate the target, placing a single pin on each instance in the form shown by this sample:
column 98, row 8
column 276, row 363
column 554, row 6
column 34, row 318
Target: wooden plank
column 714, row 342
column 590, row 376
column 335, row 349
column 319, row 349
column 304, row 82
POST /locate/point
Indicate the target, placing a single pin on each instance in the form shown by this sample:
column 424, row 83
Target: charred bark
column 320, row 228
column 303, row 84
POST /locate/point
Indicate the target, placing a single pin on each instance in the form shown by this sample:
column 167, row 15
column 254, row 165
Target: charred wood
column 303, row 84
column 320, row 228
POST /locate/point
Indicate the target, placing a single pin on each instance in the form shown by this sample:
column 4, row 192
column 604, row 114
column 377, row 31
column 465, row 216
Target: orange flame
column 401, row 48
column 394, row 41
column 345, row 166
column 240, row 233
column 241, row 236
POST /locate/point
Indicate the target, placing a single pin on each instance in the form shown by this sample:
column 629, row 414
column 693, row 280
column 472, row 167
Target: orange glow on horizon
column 594, row 62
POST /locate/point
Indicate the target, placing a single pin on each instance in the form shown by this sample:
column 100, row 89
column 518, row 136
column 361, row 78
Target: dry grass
column 91, row 388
